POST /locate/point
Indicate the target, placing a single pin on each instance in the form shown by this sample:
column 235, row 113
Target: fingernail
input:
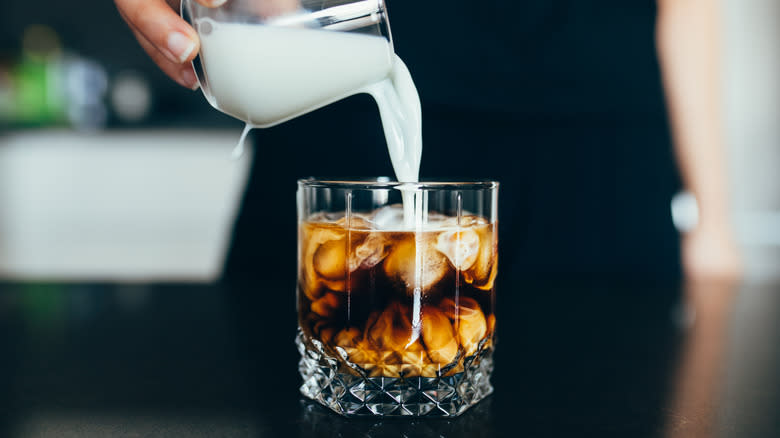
column 180, row 45
column 217, row 3
column 188, row 79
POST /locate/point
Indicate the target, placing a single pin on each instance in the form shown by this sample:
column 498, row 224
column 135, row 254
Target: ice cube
column 469, row 321
column 362, row 354
column 330, row 259
column 333, row 251
column 470, row 220
column 390, row 217
column 465, row 220
column 439, row 336
column 416, row 268
column 355, row 221
column 348, row 337
column 461, row 246
column 326, row 305
column 322, row 269
column 369, row 252
column 392, row 330
column 491, row 323
column 482, row 274
column 435, row 219
column 491, row 327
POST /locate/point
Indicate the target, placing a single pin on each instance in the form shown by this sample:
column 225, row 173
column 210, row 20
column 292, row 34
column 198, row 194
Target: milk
column 401, row 113
column 266, row 75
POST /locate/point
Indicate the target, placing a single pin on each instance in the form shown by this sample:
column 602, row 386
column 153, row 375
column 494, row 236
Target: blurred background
column 111, row 172
column 108, row 170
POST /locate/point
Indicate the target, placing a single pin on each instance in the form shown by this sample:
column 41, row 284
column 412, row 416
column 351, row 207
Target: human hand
column 170, row 41
column 712, row 272
column 710, row 252
column 274, row 8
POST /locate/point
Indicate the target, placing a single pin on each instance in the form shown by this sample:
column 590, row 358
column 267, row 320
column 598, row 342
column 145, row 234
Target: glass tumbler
column 396, row 306
column 268, row 61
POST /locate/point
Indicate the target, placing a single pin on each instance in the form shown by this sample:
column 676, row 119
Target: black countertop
column 596, row 358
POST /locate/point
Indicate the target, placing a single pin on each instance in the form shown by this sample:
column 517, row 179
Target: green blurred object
column 44, row 308
column 46, row 85
column 31, row 93
column 35, row 101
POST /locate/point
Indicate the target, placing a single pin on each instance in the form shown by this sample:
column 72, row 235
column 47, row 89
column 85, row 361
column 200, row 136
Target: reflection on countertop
column 604, row 358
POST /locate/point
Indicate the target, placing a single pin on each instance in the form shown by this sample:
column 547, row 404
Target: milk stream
column 401, row 113
column 266, row 75
column 238, row 151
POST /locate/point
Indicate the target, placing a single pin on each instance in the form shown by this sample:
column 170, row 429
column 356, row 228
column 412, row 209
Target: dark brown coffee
column 398, row 302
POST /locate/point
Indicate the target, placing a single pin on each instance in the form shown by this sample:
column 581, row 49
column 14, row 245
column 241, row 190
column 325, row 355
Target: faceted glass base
column 356, row 394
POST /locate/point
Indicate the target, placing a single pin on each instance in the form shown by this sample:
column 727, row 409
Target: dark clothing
column 560, row 101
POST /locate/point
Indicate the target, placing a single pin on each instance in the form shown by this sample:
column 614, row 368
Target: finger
column 273, row 8
column 212, row 3
column 161, row 27
column 175, row 4
column 181, row 73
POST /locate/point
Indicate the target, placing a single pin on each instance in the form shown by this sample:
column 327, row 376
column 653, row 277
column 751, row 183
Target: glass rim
column 361, row 183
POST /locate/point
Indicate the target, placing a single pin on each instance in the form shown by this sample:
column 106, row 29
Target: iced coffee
column 395, row 302
column 396, row 316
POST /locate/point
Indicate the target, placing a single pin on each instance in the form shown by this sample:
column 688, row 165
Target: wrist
column 714, row 220
column 702, row 211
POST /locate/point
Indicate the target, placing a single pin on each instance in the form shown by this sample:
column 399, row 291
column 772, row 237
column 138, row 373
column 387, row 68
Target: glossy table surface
column 590, row 358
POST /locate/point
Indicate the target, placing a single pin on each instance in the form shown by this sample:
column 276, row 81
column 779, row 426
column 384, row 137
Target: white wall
column 117, row 206
column 752, row 97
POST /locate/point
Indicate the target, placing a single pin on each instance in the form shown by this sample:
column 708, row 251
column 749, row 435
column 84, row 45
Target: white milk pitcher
column 268, row 61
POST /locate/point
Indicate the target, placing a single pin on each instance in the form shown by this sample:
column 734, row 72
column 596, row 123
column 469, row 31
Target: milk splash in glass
column 266, row 75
